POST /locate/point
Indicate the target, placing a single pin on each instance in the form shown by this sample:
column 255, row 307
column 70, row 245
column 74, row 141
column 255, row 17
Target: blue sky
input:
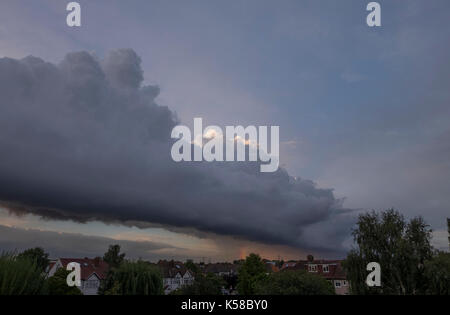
column 364, row 111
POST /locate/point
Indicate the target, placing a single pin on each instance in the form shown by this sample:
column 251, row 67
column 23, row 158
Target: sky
column 86, row 114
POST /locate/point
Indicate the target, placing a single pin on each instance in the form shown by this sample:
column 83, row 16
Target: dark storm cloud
column 84, row 140
column 59, row 244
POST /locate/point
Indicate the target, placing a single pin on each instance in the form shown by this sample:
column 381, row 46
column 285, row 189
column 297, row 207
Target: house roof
column 50, row 265
column 335, row 270
column 88, row 266
column 170, row 268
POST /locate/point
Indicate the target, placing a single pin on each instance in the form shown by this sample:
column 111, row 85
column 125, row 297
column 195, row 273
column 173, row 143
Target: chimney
column 97, row 261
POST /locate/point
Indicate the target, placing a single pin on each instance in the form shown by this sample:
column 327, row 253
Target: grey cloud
column 59, row 244
column 123, row 69
column 84, row 140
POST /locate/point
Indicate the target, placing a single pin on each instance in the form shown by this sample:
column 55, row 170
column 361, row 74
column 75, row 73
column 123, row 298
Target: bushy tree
column 294, row 283
column 113, row 256
column 252, row 270
column 37, row 255
column 57, row 284
column 20, row 276
column 114, row 259
column 136, row 278
column 208, row 284
column 437, row 273
column 400, row 247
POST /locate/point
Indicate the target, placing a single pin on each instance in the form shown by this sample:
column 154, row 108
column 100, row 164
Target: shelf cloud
column 85, row 140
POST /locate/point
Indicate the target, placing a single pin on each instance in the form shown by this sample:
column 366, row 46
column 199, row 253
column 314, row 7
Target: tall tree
column 20, row 276
column 114, row 259
column 136, row 278
column 400, row 247
column 251, row 271
column 437, row 272
column 36, row 255
column 113, row 256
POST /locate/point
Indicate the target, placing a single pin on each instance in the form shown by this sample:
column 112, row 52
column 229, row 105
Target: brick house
column 329, row 269
column 93, row 272
column 175, row 275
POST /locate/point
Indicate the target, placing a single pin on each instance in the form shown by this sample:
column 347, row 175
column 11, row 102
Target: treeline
column 409, row 265
column 24, row 274
column 254, row 279
column 130, row 277
column 126, row 277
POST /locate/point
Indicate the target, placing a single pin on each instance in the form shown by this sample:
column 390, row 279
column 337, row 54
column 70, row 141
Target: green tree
column 114, row 259
column 294, row 283
column 208, row 284
column 437, row 273
column 36, row 255
column 136, row 278
column 191, row 266
column 113, row 256
column 20, row 276
column 400, row 247
column 57, row 284
column 252, row 270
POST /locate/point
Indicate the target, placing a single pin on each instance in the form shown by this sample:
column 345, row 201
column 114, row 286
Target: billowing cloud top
column 84, row 140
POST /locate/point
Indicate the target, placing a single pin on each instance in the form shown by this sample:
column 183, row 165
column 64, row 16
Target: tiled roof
column 335, row 270
column 88, row 266
column 170, row 268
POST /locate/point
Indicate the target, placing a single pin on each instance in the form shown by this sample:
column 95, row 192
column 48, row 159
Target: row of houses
column 175, row 274
column 329, row 269
column 94, row 271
